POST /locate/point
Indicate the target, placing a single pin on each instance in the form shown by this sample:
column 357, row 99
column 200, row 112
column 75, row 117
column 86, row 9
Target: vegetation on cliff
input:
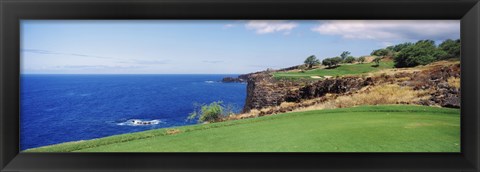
column 212, row 112
column 407, row 54
column 420, row 53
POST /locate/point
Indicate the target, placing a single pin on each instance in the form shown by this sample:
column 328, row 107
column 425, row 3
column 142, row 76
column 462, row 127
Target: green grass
column 389, row 128
column 344, row 69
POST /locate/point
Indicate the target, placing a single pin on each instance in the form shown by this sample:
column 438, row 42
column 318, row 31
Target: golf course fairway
column 385, row 128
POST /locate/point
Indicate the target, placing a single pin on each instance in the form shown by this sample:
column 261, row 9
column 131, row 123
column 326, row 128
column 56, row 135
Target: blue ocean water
column 62, row 108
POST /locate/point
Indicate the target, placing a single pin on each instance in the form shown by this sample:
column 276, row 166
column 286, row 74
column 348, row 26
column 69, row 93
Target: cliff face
column 333, row 86
column 265, row 91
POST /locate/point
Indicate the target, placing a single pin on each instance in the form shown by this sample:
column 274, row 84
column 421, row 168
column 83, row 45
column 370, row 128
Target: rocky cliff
column 240, row 78
column 265, row 91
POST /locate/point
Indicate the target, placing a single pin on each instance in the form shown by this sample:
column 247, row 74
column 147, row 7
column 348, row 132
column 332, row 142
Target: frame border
column 12, row 11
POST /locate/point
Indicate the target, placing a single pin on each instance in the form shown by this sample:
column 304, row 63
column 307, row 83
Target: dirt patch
column 173, row 131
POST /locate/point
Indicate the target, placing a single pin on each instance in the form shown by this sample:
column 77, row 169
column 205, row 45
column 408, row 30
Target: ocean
column 62, row 108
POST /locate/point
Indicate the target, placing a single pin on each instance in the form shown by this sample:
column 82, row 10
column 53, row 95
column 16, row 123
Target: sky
column 207, row 46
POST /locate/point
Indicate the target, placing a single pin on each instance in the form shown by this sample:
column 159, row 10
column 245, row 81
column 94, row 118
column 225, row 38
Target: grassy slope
column 344, row 69
column 392, row 128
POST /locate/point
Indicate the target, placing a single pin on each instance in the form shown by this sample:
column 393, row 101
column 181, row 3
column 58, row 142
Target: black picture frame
column 12, row 11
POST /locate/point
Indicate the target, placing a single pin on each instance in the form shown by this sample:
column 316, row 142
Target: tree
column 311, row 61
column 344, row 55
column 330, row 62
column 399, row 47
column 361, row 59
column 349, row 59
column 382, row 53
column 327, row 62
column 421, row 53
column 451, row 49
column 377, row 61
column 336, row 60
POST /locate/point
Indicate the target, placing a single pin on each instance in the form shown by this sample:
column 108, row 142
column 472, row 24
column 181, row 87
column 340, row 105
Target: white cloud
column 228, row 26
column 270, row 26
column 391, row 30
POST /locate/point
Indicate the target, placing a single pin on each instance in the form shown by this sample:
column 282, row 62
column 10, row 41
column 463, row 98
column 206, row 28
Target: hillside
column 391, row 128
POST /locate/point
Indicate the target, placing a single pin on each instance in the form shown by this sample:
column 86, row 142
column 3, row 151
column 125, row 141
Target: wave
column 139, row 122
column 209, row 82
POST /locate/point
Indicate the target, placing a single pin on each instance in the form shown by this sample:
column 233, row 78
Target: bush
column 210, row 113
column 421, row 53
column 451, row 49
column 361, row 59
column 349, row 59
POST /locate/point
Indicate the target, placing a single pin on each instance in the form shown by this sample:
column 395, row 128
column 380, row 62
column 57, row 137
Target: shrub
column 361, row 59
column 210, row 113
column 349, row 59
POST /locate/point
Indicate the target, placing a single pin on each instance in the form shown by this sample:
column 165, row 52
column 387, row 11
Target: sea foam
column 139, row 122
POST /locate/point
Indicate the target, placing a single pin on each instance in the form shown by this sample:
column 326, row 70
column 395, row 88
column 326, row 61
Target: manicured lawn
column 344, row 69
column 389, row 128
